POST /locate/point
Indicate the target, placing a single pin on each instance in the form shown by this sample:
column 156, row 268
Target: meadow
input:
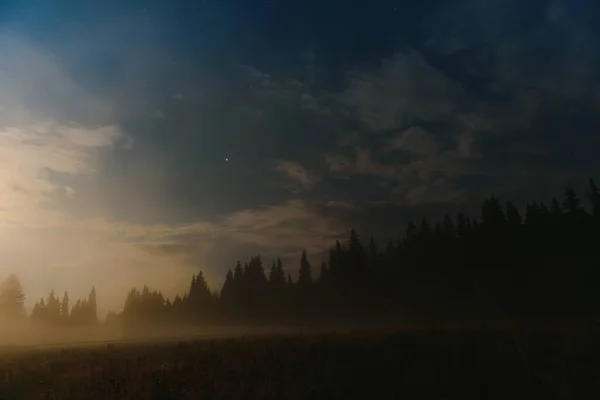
column 451, row 364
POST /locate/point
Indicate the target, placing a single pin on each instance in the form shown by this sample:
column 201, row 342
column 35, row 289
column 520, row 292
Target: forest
column 538, row 263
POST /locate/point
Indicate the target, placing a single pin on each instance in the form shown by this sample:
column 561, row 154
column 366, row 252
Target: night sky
column 141, row 141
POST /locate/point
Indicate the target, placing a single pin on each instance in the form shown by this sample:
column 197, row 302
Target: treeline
column 55, row 311
column 540, row 262
column 51, row 310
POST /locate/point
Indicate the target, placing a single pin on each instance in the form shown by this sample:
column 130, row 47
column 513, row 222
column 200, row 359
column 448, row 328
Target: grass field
column 472, row 364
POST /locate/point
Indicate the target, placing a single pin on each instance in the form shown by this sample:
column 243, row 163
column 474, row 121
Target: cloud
column 51, row 128
column 289, row 92
column 455, row 118
column 466, row 145
column 288, row 227
column 338, row 163
column 367, row 166
column 440, row 191
column 451, row 162
column 549, row 55
column 292, row 225
column 341, row 204
column 423, row 130
column 31, row 153
column 404, row 91
column 416, row 140
column 427, row 175
column 295, row 172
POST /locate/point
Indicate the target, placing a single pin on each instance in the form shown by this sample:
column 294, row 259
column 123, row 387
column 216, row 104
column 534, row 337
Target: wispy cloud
column 416, row 140
column 294, row 224
column 404, row 91
column 426, row 176
column 29, row 155
column 295, row 172
column 466, row 104
column 289, row 92
column 341, row 204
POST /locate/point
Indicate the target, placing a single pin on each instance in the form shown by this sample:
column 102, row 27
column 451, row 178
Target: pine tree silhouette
column 305, row 273
column 12, row 298
column 64, row 307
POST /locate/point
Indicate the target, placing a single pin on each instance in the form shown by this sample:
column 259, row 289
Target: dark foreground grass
column 416, row 365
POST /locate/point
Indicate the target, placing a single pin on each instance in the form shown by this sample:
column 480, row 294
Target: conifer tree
column 304, row 274
column 12, row 298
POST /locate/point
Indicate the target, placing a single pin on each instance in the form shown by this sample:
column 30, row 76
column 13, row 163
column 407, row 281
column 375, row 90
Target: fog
column 30, row 336
column 63, row 182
